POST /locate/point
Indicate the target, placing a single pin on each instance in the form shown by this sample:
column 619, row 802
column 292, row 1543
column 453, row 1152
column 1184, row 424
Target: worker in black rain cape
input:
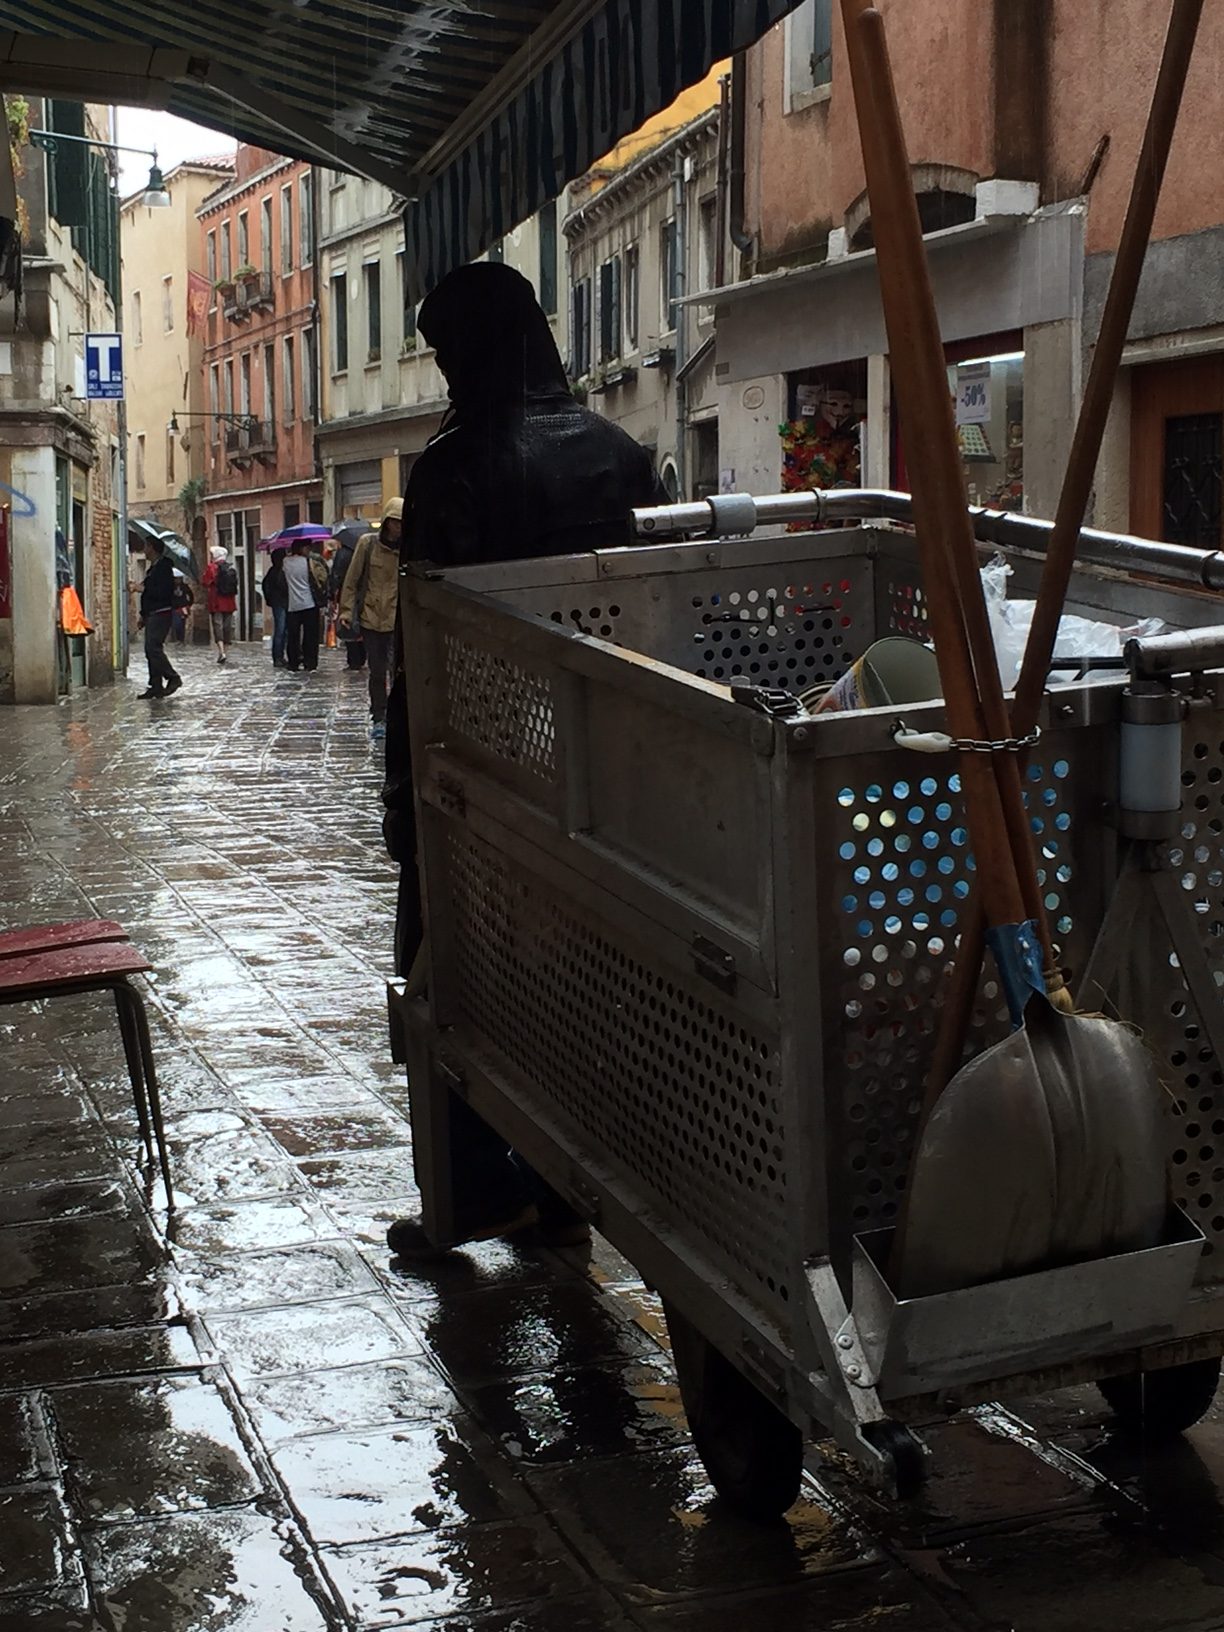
column 518, row 469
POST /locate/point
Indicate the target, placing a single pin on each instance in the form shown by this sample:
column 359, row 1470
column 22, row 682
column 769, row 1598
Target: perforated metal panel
column 1171, row 1021
column 657, row 1073
column 903, row 608
column 792, row 625
column 500, row 705
column 899, row 883
column 654, row 1071
column 793, row 635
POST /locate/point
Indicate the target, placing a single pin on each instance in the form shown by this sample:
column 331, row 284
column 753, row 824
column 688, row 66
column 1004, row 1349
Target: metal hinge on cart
column 714, row 964
column 778, row 703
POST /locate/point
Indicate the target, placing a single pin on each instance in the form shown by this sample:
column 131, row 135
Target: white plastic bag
column 1010, row 622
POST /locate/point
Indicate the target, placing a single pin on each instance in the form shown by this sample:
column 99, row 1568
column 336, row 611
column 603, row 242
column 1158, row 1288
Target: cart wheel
column 752, row 1453
column 1159, row 1404
column 903, row 1453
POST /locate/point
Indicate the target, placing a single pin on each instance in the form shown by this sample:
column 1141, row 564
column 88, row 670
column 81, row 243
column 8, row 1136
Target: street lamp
column 242, row 421
column 155, row 196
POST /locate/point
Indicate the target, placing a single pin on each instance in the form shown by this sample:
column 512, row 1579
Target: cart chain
column 938, row 742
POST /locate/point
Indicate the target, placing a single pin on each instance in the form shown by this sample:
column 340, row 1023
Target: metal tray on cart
column 687, row 955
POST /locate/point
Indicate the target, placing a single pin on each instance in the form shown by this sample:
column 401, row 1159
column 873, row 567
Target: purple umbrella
column 306, row 532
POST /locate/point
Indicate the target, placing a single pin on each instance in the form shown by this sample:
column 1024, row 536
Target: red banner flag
column 199, row 298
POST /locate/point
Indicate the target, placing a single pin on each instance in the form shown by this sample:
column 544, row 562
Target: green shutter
column 67, row 169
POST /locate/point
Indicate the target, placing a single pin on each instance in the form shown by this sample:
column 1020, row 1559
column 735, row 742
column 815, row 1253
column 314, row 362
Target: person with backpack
column 220, row 583
column 306, row 583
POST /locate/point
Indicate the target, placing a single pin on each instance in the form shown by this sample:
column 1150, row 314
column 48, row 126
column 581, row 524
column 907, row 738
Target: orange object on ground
column 72, row 614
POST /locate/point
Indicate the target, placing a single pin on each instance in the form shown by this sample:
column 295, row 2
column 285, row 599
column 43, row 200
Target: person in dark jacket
column 518, row 469
column 354, row 650
column 156, row 616
column 275, row 592
column 184, row 600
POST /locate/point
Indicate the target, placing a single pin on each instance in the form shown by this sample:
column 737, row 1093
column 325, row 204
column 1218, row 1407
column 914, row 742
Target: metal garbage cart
column 687, row 956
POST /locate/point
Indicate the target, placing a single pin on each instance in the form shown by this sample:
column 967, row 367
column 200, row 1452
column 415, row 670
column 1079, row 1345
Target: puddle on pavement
column 227, row 1572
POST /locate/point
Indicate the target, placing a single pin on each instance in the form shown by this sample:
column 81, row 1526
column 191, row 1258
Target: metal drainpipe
column 740, row 237
column 724, row 138
column 316, row 383
column 679, row 206
column 119, row 588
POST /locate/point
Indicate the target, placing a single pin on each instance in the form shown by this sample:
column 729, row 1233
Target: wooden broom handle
column 968, row 668
column 1077, row 480
column 1106, row 356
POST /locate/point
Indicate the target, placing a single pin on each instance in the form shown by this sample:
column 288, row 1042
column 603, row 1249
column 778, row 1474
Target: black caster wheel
column 1162, row 1404
column 752, row 1453
column 904, row 1455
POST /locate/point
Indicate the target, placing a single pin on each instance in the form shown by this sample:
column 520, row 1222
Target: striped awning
column 475, row 111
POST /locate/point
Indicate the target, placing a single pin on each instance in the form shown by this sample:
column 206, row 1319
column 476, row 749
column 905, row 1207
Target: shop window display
column 821, row 441
column 988, row 393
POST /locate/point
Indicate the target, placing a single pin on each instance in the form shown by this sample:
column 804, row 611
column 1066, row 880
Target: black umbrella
column 177, row 549
column 180, row 555
column 348, row 532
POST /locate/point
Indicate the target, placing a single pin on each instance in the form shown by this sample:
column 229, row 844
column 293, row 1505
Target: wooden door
column 1177, row 443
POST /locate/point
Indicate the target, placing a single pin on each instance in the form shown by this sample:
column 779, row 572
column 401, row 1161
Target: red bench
column 92, row 955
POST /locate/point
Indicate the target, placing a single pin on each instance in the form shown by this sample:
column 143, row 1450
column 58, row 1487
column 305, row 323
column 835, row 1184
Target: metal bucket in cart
column 687, row 948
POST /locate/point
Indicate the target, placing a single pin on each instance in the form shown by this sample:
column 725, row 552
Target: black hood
column 492, row 340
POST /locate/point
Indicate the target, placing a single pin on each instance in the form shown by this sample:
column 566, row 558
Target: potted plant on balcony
column 225, row 287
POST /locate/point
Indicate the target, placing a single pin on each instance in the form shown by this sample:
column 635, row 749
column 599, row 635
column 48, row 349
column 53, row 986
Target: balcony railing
column 250, row 440
column 253, row 293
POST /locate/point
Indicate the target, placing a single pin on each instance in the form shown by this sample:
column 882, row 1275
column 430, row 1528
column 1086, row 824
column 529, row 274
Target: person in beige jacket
column 368, row 602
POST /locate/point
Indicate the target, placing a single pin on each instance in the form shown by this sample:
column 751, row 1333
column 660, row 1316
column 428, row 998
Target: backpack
column 226, row 581
column 318, row 578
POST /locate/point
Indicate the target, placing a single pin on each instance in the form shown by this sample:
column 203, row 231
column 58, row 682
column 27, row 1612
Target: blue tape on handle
column 1016, row 949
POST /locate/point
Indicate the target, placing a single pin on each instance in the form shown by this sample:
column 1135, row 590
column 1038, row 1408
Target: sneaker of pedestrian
column 220, row 657
column 151, row 693
column 173, row 685
column 378, row 730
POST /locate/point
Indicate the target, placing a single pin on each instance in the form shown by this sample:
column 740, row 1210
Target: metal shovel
column 1068, row 1106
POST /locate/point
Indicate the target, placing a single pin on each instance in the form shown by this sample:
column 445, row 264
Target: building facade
column 162, row 248
column 640, row 237
column 383, row 395
column 59, row 453
column 260, row 361
column 1023, row 124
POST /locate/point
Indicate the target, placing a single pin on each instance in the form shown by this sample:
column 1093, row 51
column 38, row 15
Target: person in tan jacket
column 368, row 602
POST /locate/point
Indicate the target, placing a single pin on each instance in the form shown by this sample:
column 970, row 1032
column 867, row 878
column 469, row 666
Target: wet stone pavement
column 258, row 1421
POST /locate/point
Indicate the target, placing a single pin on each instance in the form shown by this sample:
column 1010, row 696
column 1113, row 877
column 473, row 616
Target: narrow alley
column 260, row 1421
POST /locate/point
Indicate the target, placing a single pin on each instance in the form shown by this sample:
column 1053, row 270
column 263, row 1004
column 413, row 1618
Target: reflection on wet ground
column 265, row 1425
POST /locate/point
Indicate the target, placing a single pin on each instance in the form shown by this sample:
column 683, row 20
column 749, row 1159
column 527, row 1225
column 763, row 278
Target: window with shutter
column 580, row 329
column 67, row 167
column 609, row 309
column 822, row 42
column 630, row 300
column 548, row 258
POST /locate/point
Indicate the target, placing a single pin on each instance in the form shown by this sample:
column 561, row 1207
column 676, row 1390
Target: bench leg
column 135, row 1065
column 135, row 1003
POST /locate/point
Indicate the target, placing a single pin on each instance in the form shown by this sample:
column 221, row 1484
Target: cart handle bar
column 734, row 515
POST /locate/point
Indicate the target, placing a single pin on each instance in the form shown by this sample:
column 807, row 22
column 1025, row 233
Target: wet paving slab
column 249, row 1417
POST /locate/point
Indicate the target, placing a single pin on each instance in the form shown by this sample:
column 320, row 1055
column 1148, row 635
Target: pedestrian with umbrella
column 346, row 538
column 156, row 612
column 275, row 591
column 306, row 578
